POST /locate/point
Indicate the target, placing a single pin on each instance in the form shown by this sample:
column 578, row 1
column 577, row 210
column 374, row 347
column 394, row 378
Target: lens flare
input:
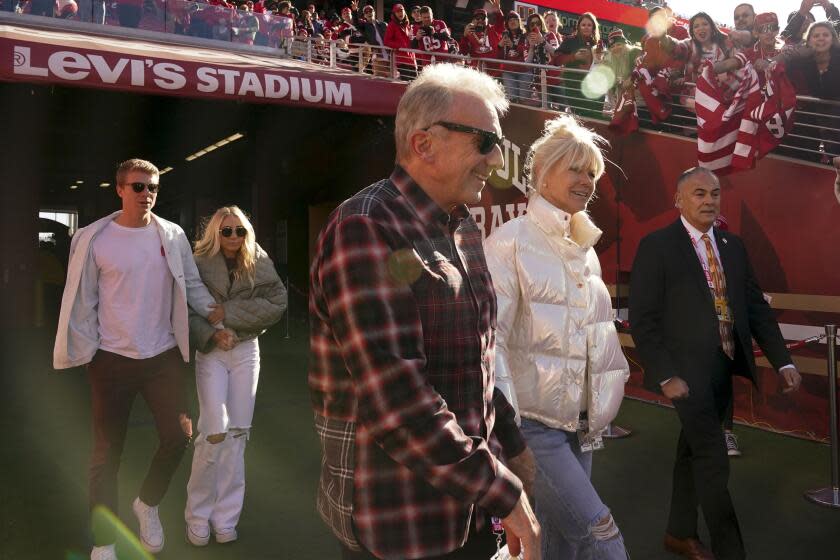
column 598, row 82
column 658, row 24
column 404, row 266
column 107, row 528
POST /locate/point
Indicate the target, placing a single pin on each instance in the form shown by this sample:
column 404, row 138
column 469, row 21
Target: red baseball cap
column 765, row 19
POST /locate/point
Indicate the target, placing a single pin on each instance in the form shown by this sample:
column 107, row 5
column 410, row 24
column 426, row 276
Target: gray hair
column 429, row 98
column 692, row 171
column 564, row 142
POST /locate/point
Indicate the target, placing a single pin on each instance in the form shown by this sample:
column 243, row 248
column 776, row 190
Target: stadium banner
column 72, row 59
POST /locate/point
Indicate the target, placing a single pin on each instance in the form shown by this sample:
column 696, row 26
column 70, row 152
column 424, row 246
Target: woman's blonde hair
column 209, row 244
column 568, row 143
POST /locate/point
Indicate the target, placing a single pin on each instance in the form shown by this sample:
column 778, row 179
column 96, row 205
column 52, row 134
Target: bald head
column 697, row 172
column 698, row 197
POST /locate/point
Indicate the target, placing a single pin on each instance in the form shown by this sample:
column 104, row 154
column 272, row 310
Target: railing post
column 543, row 88
column 393, row 64
column 830, row 496
column 332, row 54
column 309, row 50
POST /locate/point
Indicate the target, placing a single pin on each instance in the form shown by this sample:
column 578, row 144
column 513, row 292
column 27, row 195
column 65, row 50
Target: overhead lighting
column 79, row 182
column 165, row 170
column 104, row 185
column 74, row 186
column 215, row 146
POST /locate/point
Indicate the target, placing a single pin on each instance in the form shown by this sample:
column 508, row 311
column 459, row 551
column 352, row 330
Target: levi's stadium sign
column 40, row 56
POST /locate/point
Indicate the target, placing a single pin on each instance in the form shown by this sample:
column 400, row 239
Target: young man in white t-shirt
column 124, row 315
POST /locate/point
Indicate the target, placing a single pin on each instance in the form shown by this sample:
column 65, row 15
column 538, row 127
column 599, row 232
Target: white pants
column 227, row 385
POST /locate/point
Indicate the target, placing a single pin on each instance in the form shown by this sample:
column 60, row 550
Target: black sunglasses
column 227, row 231
column 488, row 140
column 138, row 187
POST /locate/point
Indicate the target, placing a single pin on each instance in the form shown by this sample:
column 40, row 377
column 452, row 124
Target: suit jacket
column 672, row 316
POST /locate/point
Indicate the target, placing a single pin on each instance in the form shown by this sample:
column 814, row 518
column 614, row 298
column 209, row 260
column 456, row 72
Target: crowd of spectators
column 354, row 36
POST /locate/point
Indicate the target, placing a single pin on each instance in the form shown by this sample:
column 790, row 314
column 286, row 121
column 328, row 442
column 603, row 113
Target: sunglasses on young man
column 228, row 231
column 140, row 187
column 487, row 140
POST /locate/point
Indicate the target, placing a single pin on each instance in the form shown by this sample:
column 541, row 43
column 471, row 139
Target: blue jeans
column 567, row 505
column 515, row 84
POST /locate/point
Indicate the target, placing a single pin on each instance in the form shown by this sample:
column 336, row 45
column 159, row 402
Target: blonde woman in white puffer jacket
column 558, row 357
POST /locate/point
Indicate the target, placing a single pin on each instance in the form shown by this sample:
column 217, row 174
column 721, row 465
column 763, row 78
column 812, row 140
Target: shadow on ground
column 45, row 422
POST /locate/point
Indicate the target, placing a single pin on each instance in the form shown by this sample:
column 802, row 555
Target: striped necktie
column 721, row 301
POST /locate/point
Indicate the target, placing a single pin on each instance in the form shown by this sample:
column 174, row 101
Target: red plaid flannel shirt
column 403, row 312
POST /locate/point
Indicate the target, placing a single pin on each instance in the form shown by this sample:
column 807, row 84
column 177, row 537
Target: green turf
column 46, row 440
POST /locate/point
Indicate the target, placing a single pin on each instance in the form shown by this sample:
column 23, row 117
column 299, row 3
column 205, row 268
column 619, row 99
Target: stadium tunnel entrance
column 287, row 167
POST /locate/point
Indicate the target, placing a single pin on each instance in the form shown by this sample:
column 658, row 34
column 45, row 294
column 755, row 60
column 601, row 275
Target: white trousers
column 227, row 386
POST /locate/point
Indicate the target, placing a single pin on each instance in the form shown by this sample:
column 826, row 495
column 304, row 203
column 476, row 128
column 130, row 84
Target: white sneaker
column 198, row 535
column 151, row 531
column 731, row 444
column 108, row 552
column 226, row 535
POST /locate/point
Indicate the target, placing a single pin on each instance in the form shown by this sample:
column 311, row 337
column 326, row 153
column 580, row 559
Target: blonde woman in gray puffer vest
column 558, row 357
column 249, row 298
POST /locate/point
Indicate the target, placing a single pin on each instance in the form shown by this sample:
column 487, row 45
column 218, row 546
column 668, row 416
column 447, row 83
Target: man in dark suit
column 694, row 307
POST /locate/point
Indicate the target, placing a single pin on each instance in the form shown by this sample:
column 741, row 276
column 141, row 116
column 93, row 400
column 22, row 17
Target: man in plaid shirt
column 403, row 313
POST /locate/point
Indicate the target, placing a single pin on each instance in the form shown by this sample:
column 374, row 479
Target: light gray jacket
column 249, row 309
column 77, row 339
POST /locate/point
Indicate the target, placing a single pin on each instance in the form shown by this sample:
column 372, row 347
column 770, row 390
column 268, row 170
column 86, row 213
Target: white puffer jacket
column 557, row 350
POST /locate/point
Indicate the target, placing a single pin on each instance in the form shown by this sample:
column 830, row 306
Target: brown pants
column 114, row 383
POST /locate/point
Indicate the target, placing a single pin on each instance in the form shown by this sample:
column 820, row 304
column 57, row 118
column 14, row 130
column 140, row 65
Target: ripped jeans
column 567, row 505
column 227, row 385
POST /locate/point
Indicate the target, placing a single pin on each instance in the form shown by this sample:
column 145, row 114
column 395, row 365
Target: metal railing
column 591, row 94
column 815, row 136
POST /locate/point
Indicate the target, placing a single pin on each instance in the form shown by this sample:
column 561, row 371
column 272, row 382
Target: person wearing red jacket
column 398, row 35
column 430, row 35
column 481, row 40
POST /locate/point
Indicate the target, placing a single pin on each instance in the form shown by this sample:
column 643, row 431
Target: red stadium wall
column 784, row 210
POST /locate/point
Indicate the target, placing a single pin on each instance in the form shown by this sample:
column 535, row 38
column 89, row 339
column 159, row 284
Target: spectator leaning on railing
column 707, row 43
column 815, row 71
column 767, row 46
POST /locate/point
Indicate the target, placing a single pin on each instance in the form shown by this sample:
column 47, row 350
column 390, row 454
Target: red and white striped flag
column 771, row 114
column 720, row 111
